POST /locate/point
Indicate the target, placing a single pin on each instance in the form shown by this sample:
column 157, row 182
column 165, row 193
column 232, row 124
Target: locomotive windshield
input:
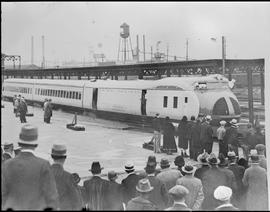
column 221, row 107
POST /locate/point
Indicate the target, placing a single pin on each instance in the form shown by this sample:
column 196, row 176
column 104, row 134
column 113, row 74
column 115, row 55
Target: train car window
column 61, row 95
column 175, row 100
column 58, row 93
column 80, row 95
column 186, row 99
column 76, row 95
column 221, row 107
column 236, row 107
column 70, row 94
column 165, row 101
column 73, row 95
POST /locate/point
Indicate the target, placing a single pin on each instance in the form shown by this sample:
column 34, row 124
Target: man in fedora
column 238, row 172
column 27, row 181
column 212, row 178
column 129, row 183
column 8, row 151
column 114, row 197
column 195, row 196
column 179, row 193
column 142, row 202
column 261, row 153
column 206, row 135
column 204, row 166
column 69, row 196
column 96, row 189
column 159, row 195
column 255, row 179
column 168, row 175
column 223, row 195
column 231, row 137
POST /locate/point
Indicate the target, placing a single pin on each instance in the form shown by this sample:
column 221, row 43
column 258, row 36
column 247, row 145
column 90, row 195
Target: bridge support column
column 262, row 86
column 250, row 96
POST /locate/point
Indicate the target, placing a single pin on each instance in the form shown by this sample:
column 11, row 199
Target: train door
column 143, row 102
column 94, row 98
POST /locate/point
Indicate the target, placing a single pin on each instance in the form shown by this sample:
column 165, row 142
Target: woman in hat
column 255, row 179
column 183, row 135
column 231, row 137
column 169, row 145
column 195, row 196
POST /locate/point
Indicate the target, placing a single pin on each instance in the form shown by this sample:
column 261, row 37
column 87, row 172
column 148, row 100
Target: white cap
column 208, row 117
column 233, row 121
column 222, row 122
column 223, row 193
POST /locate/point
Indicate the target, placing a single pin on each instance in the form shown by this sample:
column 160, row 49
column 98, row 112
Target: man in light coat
column 168, row 175
column 195, row 196
column 255, row 179
column 36, row 187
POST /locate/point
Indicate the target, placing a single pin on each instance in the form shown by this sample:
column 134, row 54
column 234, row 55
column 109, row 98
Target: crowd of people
column 214, row 182
column 198, row 136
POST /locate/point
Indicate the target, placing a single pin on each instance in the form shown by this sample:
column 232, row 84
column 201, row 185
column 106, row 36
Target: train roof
column 177, row 83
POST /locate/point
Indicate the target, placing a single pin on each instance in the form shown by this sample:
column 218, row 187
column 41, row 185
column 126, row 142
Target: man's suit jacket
column 69, row 196
column 129, row 186
column 96, row 189
column 28, row 183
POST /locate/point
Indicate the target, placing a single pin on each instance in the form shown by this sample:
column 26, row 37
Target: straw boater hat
column 189, row 169
column 212, row 159
column 222, row 123
column 231, row 155
column 202, row 158
column 233, row 123
column 208, row 118
column 129, row 167
column 144, row 186
column 59, row 150
column 28, row 135
column 223, row 193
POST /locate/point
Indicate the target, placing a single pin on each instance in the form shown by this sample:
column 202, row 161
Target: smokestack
column 32, row 50
column 144, row 48
column 43, row 50
column 138, row 59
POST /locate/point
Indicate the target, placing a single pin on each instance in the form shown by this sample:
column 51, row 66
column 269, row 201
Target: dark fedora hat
column 179, row 161
column 152, row 161
column 59, row 150
column 212, row 159
column 96, row 168
column 28, row 135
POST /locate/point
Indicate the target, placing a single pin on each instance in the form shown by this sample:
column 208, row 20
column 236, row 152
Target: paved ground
column 103, row 140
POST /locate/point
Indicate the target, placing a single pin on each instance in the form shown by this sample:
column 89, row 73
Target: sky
column 75, row 30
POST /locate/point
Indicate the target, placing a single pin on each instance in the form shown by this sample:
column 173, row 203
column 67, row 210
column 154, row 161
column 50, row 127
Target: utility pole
column 32, row 50
column 43, row 52
column 144, row 48
column 223, row 56
column 187, row 50
column 167, row 52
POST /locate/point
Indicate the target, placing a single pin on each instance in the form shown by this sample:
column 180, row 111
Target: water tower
column 125, row 43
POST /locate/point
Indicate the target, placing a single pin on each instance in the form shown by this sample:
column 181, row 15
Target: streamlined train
column 172, row 96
